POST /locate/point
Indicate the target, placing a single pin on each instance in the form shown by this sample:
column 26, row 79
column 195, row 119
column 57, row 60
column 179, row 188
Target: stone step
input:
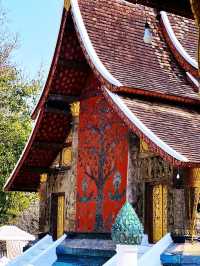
column 71, row 260
column 84, row 252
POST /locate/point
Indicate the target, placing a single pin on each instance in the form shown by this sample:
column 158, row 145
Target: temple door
column 57, row 214
column 156, row 211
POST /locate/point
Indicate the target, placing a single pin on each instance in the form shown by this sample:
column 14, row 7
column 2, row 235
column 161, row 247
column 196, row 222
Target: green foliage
column 17, row 96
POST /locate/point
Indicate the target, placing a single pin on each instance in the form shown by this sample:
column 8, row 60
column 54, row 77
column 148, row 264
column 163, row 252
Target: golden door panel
column 159, row 202
column 155, row 211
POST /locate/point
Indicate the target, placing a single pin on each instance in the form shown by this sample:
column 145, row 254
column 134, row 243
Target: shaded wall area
column 147, row 170
column 62, row 179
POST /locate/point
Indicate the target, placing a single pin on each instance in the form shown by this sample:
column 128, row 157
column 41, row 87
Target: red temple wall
column 102, row 166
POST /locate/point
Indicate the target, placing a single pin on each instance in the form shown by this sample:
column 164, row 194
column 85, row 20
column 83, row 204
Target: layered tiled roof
column 108, row 36
column 182, row 43
column 178, row 127
column 174, row 130
column 116, row 29
column 186, row 32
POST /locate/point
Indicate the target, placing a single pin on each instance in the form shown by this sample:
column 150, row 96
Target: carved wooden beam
column 24, row 187
column 48, row 170
column 34, row 169
column 59, row 169
column 57, row 111
column 50, row 145
column 62, row 98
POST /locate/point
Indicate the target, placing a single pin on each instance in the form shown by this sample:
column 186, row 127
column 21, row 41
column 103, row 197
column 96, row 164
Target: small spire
column 127, row 229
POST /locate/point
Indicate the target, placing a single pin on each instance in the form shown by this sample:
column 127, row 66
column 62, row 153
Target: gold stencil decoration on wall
column 66, row 156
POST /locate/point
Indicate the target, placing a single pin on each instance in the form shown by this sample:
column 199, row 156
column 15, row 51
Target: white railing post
column 127, row 255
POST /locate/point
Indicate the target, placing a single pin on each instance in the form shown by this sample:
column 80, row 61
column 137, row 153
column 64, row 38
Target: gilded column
column 192, row 193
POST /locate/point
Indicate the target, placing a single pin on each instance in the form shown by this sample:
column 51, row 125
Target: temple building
column 118, row 120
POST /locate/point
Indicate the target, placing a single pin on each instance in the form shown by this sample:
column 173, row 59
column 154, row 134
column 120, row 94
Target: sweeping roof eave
column 45, row 142
column 162, row 132
column 113, row 77
column 53, row 66
column 125, row 70
column 23, row 154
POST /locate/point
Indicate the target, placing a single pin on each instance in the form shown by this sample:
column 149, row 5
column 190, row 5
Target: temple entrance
column 155, row 211
column 57, row 214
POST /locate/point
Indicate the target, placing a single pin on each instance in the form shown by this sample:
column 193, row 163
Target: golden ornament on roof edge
column 143, row 146
column 43, row 178
column 75, row 108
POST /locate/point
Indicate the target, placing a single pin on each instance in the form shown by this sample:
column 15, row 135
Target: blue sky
column 37, row 23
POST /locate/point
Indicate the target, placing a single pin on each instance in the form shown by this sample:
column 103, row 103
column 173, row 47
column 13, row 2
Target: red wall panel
column 102, row 166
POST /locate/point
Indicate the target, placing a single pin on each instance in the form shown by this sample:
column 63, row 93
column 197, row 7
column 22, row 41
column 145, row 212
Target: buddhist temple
column 118, row 121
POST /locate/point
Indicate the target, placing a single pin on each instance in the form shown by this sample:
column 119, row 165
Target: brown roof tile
column 186, row 32
column 176, row 126
column 116, row 31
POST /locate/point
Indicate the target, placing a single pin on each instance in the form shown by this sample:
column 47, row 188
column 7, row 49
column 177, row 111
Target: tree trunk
column 100, row 185
column 99, row 209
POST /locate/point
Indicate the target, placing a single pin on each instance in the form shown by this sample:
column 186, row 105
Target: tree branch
column 92, row 177
column 109, row 174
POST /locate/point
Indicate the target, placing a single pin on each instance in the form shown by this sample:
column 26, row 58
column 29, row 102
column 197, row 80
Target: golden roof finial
column 67, row 4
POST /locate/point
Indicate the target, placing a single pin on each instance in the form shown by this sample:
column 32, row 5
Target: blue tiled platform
column 82, row 251
column 80, row 261
column 187, row 254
